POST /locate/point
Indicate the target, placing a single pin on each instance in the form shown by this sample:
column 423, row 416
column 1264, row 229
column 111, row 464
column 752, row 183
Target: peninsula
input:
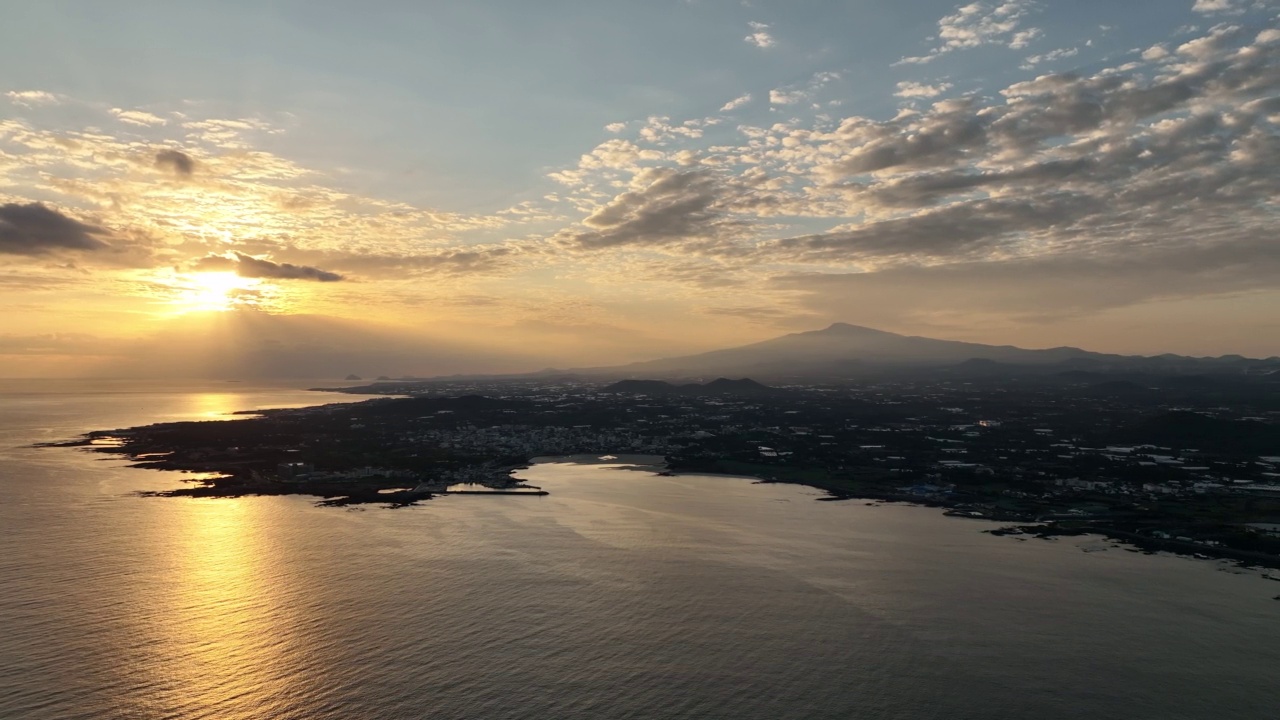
column 1183, row 463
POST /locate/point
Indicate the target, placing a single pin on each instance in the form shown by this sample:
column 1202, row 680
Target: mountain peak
column 842, row 328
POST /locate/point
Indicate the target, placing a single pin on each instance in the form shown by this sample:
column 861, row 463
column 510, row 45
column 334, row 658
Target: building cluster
column 1036, row 442
column 530, row 441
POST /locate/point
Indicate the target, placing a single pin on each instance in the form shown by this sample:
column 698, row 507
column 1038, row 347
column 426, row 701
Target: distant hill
column 844, row 350
column 642, row 387
column 719, row 386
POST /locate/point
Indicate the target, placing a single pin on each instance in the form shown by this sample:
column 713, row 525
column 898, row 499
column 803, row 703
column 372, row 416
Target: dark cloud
column 470, row 260
column 922, row 190
column 943, row 137
column 670, row 206
column 34, row 229
column 957, row 231
column 176, row 161
column 249, row 266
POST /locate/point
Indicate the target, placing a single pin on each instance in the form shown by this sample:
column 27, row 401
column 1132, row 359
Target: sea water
column 622, row 594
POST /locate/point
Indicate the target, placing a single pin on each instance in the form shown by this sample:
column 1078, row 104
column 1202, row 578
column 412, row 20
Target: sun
column 216, row 291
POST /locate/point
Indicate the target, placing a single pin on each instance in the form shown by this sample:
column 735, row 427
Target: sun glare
column 216, row 291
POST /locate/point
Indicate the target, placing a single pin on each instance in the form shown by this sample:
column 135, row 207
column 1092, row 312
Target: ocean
column 620, row 595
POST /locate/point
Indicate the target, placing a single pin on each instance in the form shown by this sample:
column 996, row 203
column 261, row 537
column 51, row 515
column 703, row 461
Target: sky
column 288, row 187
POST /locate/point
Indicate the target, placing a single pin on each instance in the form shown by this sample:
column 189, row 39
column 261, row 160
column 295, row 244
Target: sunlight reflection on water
column 226, row 628
column 216, row 405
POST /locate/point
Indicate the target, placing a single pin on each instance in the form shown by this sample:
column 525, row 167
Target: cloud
column 981, row 23
column 612, row 154
column 252, row 267
column 1159, row 167
column 1040, row 289
column 760, row 36
column 664, row 206
column 658, row 129
column 472, row 260
column 943, row 136
column 30, row 98
column 736, row 103
column 908, row 89
column 954, row 232
column 1121, row 187
column 1223, row 7
column 615, row 127
column 1051, row 56
column 786, row 97
column 1155, row 53
column 138, row 117
column 176, row 161
column 234, row 193
column 1166, row 165
column 1023, row 38
column 228, row 133
column 802, row 92
column 34, row 229
column 476, row 260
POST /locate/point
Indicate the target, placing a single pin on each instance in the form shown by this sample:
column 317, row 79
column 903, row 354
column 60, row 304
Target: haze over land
column 302, row 190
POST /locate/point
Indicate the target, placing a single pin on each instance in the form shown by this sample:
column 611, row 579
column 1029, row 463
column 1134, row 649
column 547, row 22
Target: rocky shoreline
column 963, row 506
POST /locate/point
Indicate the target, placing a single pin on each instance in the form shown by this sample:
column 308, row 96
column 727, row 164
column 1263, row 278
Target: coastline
column 329, row 452
column 1043, row 528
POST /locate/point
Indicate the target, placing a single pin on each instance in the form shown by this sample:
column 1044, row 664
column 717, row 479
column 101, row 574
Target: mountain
column 844, row 350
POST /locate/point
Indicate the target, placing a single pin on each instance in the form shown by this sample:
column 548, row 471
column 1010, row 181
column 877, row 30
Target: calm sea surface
column 621, row 595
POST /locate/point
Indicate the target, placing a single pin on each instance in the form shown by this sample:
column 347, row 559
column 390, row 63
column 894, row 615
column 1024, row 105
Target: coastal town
column 1181, row 464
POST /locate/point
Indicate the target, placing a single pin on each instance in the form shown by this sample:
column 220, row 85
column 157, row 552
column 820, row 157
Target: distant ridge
column 843, row 350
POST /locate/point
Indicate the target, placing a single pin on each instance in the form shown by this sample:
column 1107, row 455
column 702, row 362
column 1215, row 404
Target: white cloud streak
column 29, row 98
column 138, row 117
column 912, row 90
